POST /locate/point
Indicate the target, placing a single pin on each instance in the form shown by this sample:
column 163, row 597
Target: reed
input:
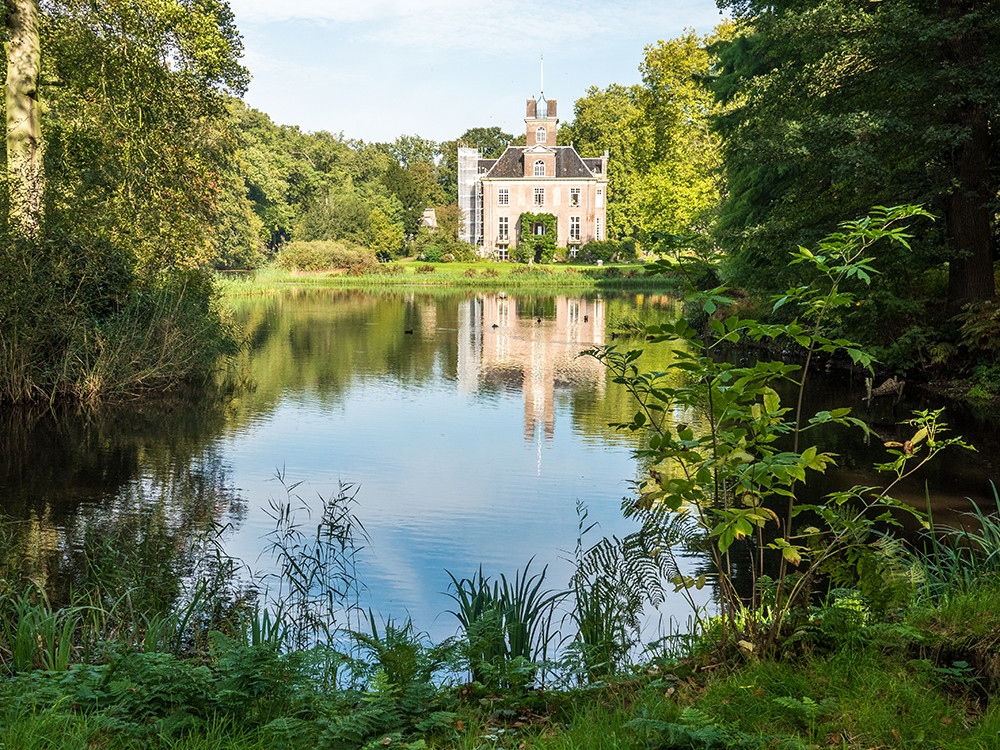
column 956, row 560
column 508, row 624
column 159, row 338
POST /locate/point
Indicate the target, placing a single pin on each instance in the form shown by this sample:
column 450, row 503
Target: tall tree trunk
column 971, row 276
column 24, row 127
column 968, row 214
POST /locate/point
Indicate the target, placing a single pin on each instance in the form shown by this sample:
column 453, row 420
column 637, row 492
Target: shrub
column 470, row 273
column 426, row 268
column 323, row 255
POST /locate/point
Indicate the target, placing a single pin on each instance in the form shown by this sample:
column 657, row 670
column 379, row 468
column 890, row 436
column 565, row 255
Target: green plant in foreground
column 317, row 580
column 727, row 453
column 507, row 623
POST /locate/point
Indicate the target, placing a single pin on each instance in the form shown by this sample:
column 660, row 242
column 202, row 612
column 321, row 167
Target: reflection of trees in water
column 118, row 491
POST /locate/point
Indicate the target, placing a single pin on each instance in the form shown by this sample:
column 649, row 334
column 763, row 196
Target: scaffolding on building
column 470, row 196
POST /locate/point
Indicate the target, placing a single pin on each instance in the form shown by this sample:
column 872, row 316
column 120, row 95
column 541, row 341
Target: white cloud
column 377, row 68
column 512, row 27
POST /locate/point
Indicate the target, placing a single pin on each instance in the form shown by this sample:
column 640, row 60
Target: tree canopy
column 839, row 105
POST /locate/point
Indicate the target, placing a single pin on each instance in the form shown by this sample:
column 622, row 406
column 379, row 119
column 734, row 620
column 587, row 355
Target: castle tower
column 541, row 122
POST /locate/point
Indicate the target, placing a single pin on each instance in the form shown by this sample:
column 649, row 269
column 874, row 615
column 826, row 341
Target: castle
column 541, row 177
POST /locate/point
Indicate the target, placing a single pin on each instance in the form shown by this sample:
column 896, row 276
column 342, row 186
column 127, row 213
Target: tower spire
column 541, row 76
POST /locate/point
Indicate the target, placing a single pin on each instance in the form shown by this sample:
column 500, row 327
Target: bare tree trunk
column 24, row 127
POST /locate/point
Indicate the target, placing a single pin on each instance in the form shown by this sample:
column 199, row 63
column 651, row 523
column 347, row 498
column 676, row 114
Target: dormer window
column 539, row 168
column 540, row 135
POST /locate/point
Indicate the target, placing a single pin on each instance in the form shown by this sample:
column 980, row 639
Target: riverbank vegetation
column 136, row 177
column 475, row 274
column 109, row 195
column 826, row 630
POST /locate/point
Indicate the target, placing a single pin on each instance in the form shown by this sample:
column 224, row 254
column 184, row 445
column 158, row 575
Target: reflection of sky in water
column 447, row 481
column 482, row 463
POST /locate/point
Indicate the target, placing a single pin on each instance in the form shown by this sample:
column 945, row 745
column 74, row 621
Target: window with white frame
column 574, row 228
column 503, row 229
column 503, row 196
column 540, row 135
column 597, row 228
column 539, row 168
column 539, row 196
column 502, row 253
column 574, row 196
column 573, row 251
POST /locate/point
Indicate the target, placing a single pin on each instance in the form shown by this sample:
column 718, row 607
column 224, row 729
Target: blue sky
column 377, row 69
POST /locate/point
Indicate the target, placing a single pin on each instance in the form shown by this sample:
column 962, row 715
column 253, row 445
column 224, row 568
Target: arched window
column 540, row 135
column 539, row 168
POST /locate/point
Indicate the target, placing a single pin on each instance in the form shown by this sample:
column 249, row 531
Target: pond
column 467, row 423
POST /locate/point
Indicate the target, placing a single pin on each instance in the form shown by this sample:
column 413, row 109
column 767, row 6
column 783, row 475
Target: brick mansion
column 541, row 177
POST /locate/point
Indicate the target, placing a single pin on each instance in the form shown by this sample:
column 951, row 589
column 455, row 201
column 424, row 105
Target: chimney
column 531, row 108
column 552, row 108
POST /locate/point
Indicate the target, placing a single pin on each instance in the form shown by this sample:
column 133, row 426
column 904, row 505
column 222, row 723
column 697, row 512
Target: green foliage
column 608, row 251
column 108, row 297
column 532, row 245
column 326, row 255
column 731, row 473
column 317, row 581
column 508, row 625
column 662, row 154
column 442, row 244
column 956, row 560
column 835, row 106
column 613, row 581
column 491, row 142
column 79, row 324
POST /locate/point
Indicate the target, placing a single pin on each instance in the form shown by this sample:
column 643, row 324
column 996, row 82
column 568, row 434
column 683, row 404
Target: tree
column 680, row 191
column 662, row 170
column 611, row 120
column 101, row 262
column 491, row 142
column 843, row 104
column 25, row 170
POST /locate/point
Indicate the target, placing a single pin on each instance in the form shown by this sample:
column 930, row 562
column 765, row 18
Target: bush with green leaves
column 326, row 255
column 607, row 251
column 726, row 451
column 534, row 245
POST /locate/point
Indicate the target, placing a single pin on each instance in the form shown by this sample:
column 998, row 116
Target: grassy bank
column 926, row 680
column 475, row 275
column 127, row 664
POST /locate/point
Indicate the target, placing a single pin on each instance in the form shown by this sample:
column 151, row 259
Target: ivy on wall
column 538, row 247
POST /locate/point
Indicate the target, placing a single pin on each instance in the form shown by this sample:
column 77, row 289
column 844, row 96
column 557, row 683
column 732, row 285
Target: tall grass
column 158, row 338
column 508, row 624
column 956, row 560
column 473, row 275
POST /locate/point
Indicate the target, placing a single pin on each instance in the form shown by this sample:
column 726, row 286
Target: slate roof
column 568, row 164
column 485, row 165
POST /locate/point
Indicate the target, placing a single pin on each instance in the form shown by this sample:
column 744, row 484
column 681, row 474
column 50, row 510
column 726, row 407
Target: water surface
column 468, row 423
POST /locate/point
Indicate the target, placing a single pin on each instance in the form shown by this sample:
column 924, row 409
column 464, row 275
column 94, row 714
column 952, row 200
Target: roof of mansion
column 568, row 164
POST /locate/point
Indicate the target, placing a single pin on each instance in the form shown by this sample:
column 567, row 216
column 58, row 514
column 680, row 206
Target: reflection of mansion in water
column 507, row 342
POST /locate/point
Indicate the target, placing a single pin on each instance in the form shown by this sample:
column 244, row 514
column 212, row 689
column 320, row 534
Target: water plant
column 508, row 624
column 316, row 554
column 612, row 582
column 725, row 451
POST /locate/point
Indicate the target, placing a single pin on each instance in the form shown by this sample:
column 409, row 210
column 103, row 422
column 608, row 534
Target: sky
column 377, row 69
